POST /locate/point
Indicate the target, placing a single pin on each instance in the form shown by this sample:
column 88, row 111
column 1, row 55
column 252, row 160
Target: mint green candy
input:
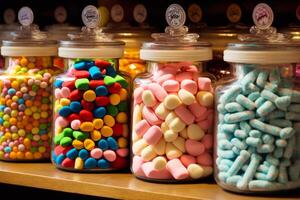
column 108, row 80
column 67, row 132
column 66, row 141
column 58, row 138
column 80, row 135
column 112, row 110
column 82, row 84
column 122, row 81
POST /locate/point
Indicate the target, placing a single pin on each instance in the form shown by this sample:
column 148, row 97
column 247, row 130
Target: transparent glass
column 172, row 123
column 26, row 108
column 131, row 62
column 91, row 116
column 257, row 135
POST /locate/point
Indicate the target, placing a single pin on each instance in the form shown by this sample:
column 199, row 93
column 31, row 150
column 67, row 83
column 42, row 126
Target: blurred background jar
column 26, row 93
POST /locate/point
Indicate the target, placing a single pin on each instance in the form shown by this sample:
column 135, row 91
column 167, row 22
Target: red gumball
column 102, row 63
column 69, row 84
column 95, row 83
column 102, row 101
column 117, row 130
column 87, row 105
column 86, row 116
column 76, row 95
column 114, row 88
column 67, row 162
column 72, row 117
column 81, row 74
column 119, row 163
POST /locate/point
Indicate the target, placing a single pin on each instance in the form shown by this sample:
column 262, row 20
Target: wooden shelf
column 111, row 185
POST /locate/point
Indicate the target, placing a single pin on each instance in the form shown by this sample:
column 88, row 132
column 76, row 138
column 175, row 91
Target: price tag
column 90, row 16
column 175, row 16
column 140, row 13
column 234, row 13
column 60, row 14
column 194, row 13
column 25, row 16
column 9, row 16
column 117, row 13
column 263, row 16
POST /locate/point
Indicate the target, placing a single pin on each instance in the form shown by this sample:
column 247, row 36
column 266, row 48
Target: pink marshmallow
column 150, row 172
column 167, row 70
column 171, row 86
column 153, row 135
column 65, row 92
column 150, row 116
column 197, row 109
column 205, row 124
column 158, row 91
column 57, row 93
column 75, row 124
column 110, row 155
column 184, row 75
column 186, row 160
column 194, row 147
column 141, row 127
column 185, row 115
column 177, row 169
column 137, row 94
column 164, row 78
column 204, row 84
column 189, row 85
column 207, row 141
column 136, row 166
column 123, row 152
column 205, row 159
column 62, row 122
column 204, row 115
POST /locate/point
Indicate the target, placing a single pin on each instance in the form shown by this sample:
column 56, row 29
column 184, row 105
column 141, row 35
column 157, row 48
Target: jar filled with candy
column 133, row 38
column 257, row 125
column 91, row 110
column 173, row 107
column 26, row 93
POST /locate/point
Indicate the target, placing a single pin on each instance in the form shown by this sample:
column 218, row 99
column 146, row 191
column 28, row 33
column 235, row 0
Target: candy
column 148, row 98
column 255, row 132
column 92, row 117
column 82, row 84
column 170, row 124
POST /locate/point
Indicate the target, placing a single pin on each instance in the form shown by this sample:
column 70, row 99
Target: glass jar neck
column 21, row 65
column 154, row 67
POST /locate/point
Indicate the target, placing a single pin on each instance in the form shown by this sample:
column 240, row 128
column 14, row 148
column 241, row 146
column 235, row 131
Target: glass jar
column 257, row 135
column 91, row 110
column 131, row 62
column 26, row 96
column 60, row 31
column 173, row 109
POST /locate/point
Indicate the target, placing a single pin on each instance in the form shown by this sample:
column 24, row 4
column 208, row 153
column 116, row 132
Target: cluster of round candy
column 91, row 117
column 172, row 124
column 26, row 108
column 257, row 133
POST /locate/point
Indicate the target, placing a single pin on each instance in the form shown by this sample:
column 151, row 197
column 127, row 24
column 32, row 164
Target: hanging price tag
column 263, row 16
column 25, row 16
column 90, row 16
column 175, row 16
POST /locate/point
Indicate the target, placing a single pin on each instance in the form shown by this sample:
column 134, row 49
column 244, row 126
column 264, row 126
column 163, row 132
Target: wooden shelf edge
column 110, row 185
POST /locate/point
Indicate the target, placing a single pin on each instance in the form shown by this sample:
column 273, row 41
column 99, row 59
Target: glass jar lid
column 29, row 40
column 91, row 42
column 176, row 44
column 264, row 45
